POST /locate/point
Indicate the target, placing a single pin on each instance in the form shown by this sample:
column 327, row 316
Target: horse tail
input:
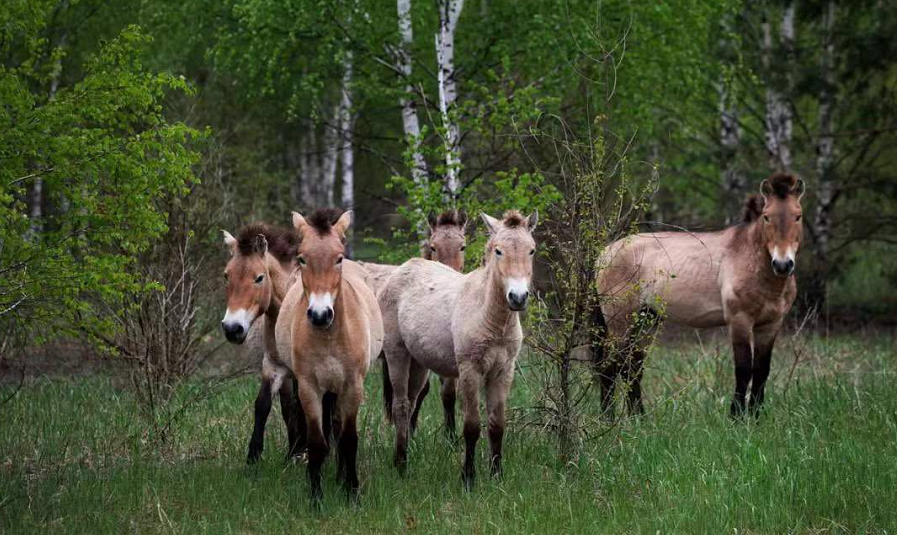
column 387, row 390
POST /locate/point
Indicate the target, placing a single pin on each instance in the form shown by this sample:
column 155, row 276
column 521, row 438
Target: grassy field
column 822, row 459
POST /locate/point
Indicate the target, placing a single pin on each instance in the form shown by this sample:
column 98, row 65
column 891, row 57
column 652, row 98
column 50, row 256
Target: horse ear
column 299, row 222
column 765, row 189
column 799, row 189
column 492, row 224
column 462, row 218
column 532, row 220
column 431, row 222
column 342, row 224
column 260, row 244
column 229, row 241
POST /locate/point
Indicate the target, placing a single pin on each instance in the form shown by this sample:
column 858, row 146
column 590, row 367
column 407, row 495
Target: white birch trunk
column 309, row 174
column 778, row 109
column 329, row 155
column 825, row 144
column 449, row 12
column 410, row 121
column 347, row 125
column 732, row 178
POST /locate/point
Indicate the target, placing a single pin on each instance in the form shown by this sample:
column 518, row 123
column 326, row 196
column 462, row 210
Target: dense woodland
column 132, row 131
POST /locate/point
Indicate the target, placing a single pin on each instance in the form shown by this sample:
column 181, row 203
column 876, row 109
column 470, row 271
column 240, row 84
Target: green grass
column 822, row 459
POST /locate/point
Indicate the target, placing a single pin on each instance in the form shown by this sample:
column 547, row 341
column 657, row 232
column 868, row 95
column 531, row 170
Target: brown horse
column 258, row 275
column 741, row 278
column 464, row 326
column 445, row 244
column 335, row 330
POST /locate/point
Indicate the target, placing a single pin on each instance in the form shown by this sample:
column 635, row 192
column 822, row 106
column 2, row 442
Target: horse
column 257, row 277
column 331, row 326
column 446, row 244
column 741, row 278
column 464, row 326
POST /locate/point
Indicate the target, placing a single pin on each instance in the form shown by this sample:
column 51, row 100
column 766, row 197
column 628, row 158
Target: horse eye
column 259, row 279
column 301, row 261
column 463, row 247
column 531, row 253
column 498, row 252
column 339, row 260
column 225, row 276
column 766, row 218
column 798, row 217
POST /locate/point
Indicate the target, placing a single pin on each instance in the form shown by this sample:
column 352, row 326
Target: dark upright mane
column 322, row 219
column 450, row 218
column 282, row 242
column 753, row 209
column 513, row 219
column 782, row 184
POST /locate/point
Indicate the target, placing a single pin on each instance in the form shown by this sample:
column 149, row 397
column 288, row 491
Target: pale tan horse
column 445, row 244
column 464, row 326
column 331, row 325
column 257, row 276
column 741, row 278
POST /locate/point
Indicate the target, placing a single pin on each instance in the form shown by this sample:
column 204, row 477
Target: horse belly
column 697, row 305
column 427, row 334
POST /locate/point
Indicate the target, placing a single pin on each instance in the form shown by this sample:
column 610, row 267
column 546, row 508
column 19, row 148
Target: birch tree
column 825, row 146
column 410, row 122
column 778, row 108
column 346, row 127
column 449, row 12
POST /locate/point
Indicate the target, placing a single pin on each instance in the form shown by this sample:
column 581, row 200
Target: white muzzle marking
column 517, row 286
column 238, row 317
column 318, row 303
column 779, row 257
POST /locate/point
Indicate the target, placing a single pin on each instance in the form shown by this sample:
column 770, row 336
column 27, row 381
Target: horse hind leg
column 418, row 404
column 634, row 366
column 262, row 410
column 447, row 391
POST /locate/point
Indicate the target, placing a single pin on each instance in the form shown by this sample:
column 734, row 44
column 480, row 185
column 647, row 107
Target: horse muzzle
column 517, row 300
column 235, row 332
column 320, row 317
column 783, row 268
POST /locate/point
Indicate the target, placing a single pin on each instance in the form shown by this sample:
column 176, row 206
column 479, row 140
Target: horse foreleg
column 348, row 441
column 740, row 336
column 448, row 395
column 469, row 381
column 632, row 374
column 764, row 339
column 293, row 416
column 262, row 410
column 317, row 442
column 498, row 384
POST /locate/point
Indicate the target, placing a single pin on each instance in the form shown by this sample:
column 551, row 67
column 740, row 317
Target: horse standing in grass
column 464, row 326
column 446, row 244
column 334, row 330
column 258, row 275
column 741, row 277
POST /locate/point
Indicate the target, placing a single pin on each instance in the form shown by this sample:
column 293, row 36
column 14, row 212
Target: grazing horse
column 258, row 275
column 446, row 244
column 335, row 330
column 741, row 277
column 464, row 326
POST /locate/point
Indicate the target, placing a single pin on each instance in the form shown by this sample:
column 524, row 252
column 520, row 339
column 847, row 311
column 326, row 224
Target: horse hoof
column 253, row 456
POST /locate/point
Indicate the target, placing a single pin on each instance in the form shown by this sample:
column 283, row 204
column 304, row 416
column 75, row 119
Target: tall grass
column 821, row 459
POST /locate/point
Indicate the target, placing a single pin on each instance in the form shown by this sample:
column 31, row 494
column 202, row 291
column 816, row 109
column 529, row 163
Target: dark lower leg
column 496, row 434
column 417, row 405
column 759, row 377
column 348, row 451
column 262, row 410
column 317, row 452
column 447, row 392
column 471, row 435
column 633, row 378
column 743, row 371
column 293, row 417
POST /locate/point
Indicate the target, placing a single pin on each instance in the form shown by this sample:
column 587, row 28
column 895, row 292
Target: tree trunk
column 309, row 172
column 778, row 108
column 410, row 121
column 329, row 156
column 449, row 11
column 826, row 192
column 347, row 125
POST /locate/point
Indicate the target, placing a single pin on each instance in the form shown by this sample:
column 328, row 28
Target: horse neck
column 496, row 316
column 280, row 278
